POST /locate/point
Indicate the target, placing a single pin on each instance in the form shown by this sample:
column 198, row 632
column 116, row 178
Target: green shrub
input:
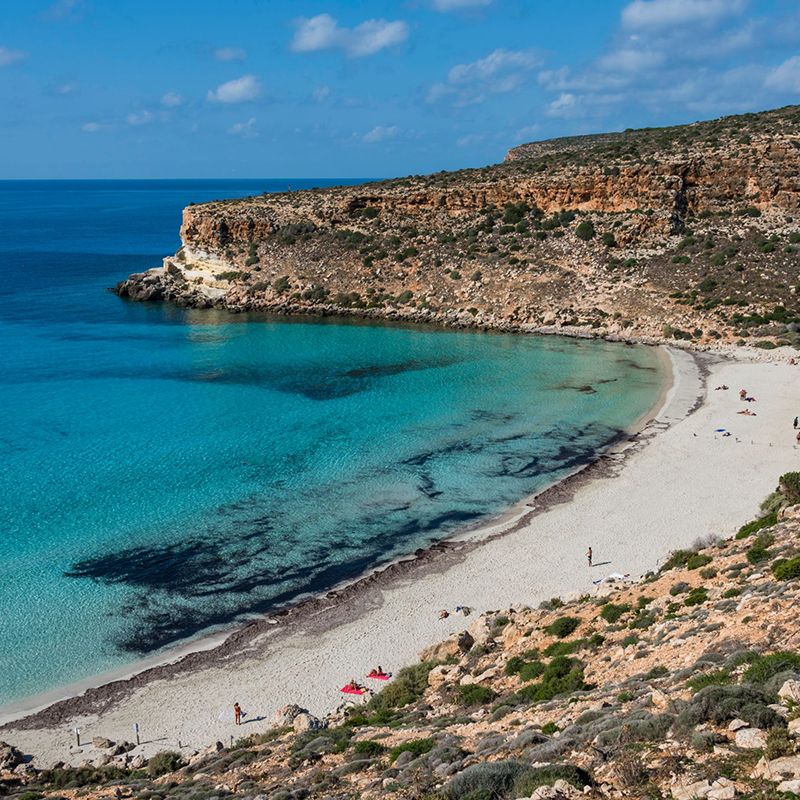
column 585, row 231
column 549, row 728
column 368, row 748
column 681, row 587
column 720, row 677
column 282, row 285
column 657, row 672
column 720, row 704
column 732, row 592
column 696, row 597
column 700, row 560
column 757, row 553
column 708, row 573
column 528, row 782
column 563, row 627
column 611, row 613
column 630, row 639
column 472, row 695
column 409, row 684
column 764, row 667
column 609, row 240
column 787, row 570
column 416, row 746
column 768, row 520
column 531, row 671
column 81, row 776
column 164, row 762
column 789, row 484
column 563, row 675
column 514, row 665
column 642, row 621
column 563, row 648
column 678, row 558
column 703, row 740
column 778, row 744
column 489, row 780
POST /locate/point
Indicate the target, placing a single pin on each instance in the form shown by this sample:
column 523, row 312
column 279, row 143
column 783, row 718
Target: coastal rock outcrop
column 10, row 757
column 679, row 233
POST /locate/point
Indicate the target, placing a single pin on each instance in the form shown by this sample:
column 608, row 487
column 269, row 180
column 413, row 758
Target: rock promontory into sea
column 682, row 233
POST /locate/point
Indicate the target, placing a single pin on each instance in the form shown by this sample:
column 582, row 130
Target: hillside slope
column 683, row 684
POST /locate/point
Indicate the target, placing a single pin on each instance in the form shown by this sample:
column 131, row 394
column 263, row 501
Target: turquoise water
column 166, row 472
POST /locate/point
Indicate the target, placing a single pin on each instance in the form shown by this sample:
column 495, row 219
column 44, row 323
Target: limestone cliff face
column 614, row 233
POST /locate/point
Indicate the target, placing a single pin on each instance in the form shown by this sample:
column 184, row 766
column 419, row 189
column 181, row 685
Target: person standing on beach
column 589, row 556
column 795, row 423
column 237, row 710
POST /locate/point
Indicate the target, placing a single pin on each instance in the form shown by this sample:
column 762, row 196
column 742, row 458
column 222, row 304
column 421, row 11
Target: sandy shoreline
column 631, row 507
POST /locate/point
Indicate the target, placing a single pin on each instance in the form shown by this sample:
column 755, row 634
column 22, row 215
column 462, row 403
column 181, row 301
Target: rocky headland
column 684, row 233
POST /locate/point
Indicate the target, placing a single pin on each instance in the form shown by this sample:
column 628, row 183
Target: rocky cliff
column 683, row 683
column 685, row 232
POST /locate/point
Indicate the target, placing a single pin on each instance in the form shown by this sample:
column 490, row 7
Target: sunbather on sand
column 443, row 614
column 377, row 673
column 354, row 686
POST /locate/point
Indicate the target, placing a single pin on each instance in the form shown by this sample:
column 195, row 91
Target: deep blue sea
column 166, row 472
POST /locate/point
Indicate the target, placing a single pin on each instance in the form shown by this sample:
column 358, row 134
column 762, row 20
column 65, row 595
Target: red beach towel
column 348, row 690
column 381, row 677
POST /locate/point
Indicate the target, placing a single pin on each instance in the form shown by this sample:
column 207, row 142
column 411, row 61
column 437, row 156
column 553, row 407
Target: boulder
column 24, row 769
column 307, row 722
column 101, row 743
column 789, row 787
column 794, row 727
column 479, row 629
column 287, row 714
column 444, row 674
column 10, row 757
column 751, row 738
column 454, row 645
column 138, row 762
column 691, row 791
column 790, row 691
column 737, row 725
column 104, row 760
column 778, row 767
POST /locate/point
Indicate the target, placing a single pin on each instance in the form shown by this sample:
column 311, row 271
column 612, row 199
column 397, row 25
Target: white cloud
column 526, row 134
column 230, row 54
column 571, row 106
column 470, row 140
column 63, row 9
column 139, row 119
column 496, row 62
column 380, row 134
column 499, row 72
column 320, row 93
column 786, row 77
column 247, row 130
column 10, row 56
column 171, row 99
column 668, row 13
column 323, row 33
column 630, row 60
column 95, row 127
column 65, row 89
column 453, row 5
column 236, row 91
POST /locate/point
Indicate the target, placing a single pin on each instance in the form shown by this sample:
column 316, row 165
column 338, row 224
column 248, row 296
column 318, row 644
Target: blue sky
column 338, row 88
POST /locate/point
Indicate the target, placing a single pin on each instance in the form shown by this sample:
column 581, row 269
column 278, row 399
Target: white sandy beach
column 686, row 482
